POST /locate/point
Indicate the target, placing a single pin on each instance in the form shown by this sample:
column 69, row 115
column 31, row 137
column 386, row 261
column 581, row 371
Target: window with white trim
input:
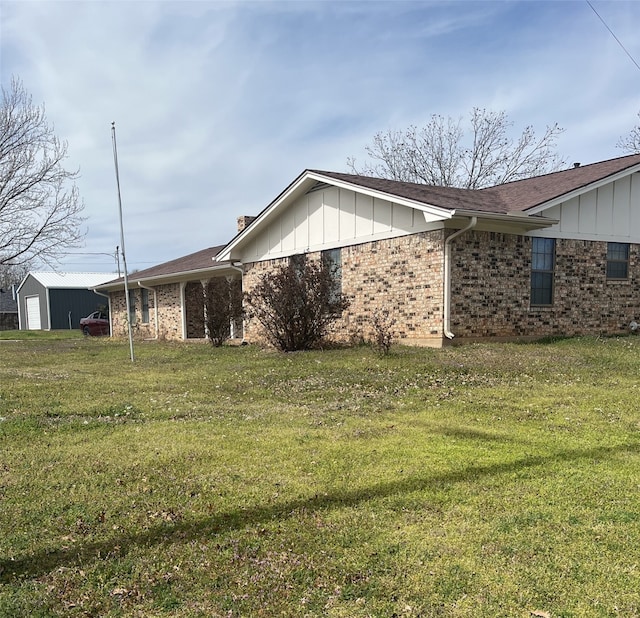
column 332, row 260
column 543, row 260
column 617, row 260
column 144, row 293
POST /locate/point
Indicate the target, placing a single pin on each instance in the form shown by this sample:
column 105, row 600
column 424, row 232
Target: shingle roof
column 517, row 196
column 7, row 303
column 449, row 198
column 200, row 260
column 524, row 194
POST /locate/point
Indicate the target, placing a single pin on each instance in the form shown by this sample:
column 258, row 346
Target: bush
column 223, row 302
column 296, row 303
column 383, row 333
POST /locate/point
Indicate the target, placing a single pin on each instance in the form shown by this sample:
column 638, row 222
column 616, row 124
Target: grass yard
column 482, row 480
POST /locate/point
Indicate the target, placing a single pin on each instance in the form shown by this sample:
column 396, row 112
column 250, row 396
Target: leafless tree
column 631, row 143
column 223, row 300
column 11, row 275
column 442, row 153
column 40, row 207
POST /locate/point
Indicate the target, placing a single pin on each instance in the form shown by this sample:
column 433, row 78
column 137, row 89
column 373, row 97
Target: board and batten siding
column 333, row 217
column 609, row 213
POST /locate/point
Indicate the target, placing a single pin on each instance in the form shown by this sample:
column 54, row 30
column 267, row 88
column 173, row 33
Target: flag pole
column 124, row 259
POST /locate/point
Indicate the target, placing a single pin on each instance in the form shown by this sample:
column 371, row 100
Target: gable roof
column 76, row 281
column 517, row 196
column 187, row 266
column 8, row 304
column 449, row 198
column 523, row 195
column 516, row 200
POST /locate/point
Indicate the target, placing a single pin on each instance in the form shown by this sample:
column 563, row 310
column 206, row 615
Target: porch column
column 205, row 284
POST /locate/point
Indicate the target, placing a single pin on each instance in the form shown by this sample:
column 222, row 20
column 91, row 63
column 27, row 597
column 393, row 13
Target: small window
column 298, row 262
column 617, row 260
column 145, row 305
column 542, row 267
column 332, row 260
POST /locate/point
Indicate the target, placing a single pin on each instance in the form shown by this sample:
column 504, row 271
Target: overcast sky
column 220, row 105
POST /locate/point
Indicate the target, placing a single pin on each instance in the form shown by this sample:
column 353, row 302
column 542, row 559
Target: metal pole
column 124, row 259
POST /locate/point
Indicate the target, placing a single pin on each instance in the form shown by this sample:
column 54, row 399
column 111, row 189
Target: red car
column 95, row 324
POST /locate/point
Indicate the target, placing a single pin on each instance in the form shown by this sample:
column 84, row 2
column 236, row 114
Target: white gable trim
column 302, row 185
column 252, row 237
column 430, row 209
column 565, row 197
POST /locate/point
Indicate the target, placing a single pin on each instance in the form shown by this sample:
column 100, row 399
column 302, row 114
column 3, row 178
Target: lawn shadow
column 45, row 561
column 467, row 433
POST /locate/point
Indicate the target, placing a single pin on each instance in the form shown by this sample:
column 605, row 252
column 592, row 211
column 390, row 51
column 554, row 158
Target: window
column 145, row 305
column 132, row 307
column 332, row 261
column 298, row 262
column 542, row 266
column 617, row 260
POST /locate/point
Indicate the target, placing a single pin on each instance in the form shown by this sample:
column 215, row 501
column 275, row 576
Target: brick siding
column 490, row 291
column 401, row 276
column 491, row 278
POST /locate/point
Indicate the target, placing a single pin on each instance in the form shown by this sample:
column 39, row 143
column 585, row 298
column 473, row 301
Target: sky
column 219, row 106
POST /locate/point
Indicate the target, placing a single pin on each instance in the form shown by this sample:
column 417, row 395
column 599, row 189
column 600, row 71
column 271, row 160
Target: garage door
column 33, row 313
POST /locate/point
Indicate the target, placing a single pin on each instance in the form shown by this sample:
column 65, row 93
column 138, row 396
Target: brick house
column 556, row 254
column 167, row 301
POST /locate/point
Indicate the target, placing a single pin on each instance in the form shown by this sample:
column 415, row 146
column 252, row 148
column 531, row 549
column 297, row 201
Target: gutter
column 447, row 275
column 109, row 308
column 241, row 271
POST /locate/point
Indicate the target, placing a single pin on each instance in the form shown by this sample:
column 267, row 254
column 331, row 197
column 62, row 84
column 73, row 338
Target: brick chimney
column 244, row 221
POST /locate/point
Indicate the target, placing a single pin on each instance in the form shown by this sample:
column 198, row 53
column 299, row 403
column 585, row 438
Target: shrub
column 296, row 303
column 383, row 334
column 223, row 302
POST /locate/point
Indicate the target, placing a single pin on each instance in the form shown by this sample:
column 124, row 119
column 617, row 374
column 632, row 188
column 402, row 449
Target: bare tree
column 223, row 300
column 12, row 275
column 631, row 143
column 442, row 154
column 40, row 207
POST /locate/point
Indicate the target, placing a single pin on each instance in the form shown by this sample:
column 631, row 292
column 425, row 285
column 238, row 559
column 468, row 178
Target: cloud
column 219, row 105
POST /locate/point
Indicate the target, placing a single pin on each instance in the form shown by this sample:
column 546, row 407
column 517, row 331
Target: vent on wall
column 319, row 186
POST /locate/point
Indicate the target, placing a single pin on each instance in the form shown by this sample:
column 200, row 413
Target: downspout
column 447, row 276
column 241, row 271
column 109, row 308
column 155, row 305
column 183, row 309
column 46, row 291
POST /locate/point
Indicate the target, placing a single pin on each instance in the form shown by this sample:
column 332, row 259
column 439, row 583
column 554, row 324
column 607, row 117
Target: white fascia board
column 302, row 185
column 23, row 282
column 528, row 221
column 187, row 275
column 292, row 190
column 590, row 187
column 437, row 211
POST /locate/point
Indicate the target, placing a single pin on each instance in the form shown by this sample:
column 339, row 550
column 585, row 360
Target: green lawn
column 481, row 480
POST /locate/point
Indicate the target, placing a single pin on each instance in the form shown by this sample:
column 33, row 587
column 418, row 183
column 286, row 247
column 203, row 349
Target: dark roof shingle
column 200, row 260
column 522, row 195
column 517, row 196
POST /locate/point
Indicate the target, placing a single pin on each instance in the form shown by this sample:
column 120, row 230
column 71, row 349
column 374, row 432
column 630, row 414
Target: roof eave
column 186, row 275
column 526, row 222
column 301, row 185
column 534, row 210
